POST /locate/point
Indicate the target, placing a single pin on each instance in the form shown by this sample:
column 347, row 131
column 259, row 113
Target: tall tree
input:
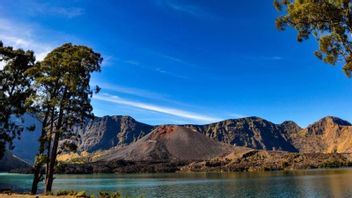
column 15, row 92
column 329, row 21
column 64, row 93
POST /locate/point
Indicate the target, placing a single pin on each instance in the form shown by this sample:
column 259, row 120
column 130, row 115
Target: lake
column 303, row 183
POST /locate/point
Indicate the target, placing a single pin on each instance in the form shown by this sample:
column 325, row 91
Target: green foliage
column 329, row 21
column 85, row 195
column 15, row 92
column 63, row 96
column 81, row 194
column 334, row 164
column 109, row 195
column 66, row 193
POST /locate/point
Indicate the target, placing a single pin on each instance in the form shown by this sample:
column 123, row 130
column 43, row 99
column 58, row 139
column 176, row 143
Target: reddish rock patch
column 161, row 132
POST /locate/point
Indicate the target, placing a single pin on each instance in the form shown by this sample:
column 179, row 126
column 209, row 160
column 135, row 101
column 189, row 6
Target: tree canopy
column 15, row 92
column 329, row 21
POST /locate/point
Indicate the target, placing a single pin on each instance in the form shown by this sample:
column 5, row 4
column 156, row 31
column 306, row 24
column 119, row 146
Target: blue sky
column 178, row 61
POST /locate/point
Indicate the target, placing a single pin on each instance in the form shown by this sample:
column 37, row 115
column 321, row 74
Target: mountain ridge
column 107, row 132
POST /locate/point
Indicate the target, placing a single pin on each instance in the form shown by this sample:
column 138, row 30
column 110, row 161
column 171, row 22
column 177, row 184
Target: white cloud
column 267, row 58
column 22, row 36
column 189, row 9
column 162, row 71
column 56, row 8
column 132, row 62
column 156, row 108
column 66, row 12
column 175, row 59
column 131, row 91
column 236, row 115
column 140, row 93
column 153, row 68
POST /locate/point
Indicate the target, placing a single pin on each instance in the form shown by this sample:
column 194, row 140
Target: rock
column 252, row 132
column 109, row 131
column 328, row 135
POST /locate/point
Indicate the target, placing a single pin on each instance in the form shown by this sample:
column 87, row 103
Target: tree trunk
column 38, row 164
column 49, row 142
column 52, row 158
column 52, row 161
column 36, row 180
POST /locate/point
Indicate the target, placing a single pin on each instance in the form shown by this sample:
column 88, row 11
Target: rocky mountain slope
column 122, row 144
column 328, row 135
column 11, row 162
column 170, row 143
column 27, row 146
column 109, row 131
column 252, row 132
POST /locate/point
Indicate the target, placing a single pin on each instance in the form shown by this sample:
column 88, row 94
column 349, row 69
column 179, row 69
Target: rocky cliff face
column 327, row 135
column 252, row 132
column 109, row 131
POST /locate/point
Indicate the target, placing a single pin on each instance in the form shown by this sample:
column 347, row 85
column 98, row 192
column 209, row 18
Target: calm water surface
column 310, row 183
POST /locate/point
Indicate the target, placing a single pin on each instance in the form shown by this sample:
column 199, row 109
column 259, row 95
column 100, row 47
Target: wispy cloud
column 156, row 69
column 160, row 70
column 174, row 59
column 107, row 60
column 131, row 91
column 236, row 115
column 156, row 108
column 189, row 9
column 52, row 8
column 22, row 36
column 268, row 58
column 140, row 93
column 132, row 62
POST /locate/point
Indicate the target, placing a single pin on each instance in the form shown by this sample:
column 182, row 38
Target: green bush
column 66, row 192
column 81, row 194
column 109, row 195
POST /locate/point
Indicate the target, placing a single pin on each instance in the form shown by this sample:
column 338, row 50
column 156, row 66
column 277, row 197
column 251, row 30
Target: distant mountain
column 328, row 135
column 27, row 146
column 252, row 132
column 106, row 132
column 11, row 162
column 100, row 133
column 170, row 143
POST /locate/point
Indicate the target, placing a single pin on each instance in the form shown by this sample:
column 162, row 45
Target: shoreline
column 194, row 172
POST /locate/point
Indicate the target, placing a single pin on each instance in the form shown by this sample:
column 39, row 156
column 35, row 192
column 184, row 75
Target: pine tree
column 15, row 93
column 63, row 94
column 329, row 21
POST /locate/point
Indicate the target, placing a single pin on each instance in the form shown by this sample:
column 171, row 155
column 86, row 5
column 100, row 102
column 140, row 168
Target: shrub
column 81, row 194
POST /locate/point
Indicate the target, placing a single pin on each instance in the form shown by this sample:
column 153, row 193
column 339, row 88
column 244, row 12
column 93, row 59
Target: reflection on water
column 307, row 183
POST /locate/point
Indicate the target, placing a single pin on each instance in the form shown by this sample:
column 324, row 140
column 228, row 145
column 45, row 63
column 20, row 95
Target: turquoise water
column 310, row 183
